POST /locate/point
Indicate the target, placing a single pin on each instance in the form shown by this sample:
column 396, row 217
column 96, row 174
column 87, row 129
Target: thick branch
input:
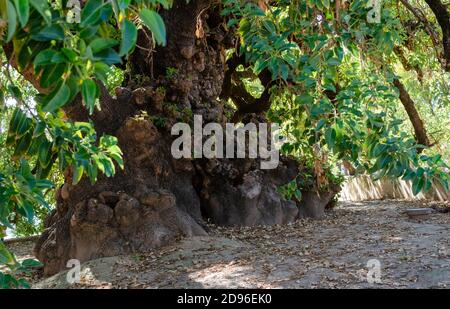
column 232, row 64
column 244, row 101
column 428, row 28
column 443, row 18
column 417, row 123
column 260, row 105
column 405, row 63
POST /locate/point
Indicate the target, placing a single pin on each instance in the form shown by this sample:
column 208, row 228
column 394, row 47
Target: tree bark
column 422, row 19
column 443, row 18
column 417, row 123
column 407, row 65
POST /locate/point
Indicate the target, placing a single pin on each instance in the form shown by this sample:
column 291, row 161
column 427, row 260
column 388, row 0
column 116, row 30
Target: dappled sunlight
column 328, row 253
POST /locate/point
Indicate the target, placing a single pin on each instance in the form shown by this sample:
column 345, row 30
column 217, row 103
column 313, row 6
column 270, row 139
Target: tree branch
column 429, row 29
column 443, row 18
column 417, row 123
column 405, row 63
column 244, row 101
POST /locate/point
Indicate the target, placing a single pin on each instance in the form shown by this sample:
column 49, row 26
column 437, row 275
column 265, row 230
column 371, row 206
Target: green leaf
column 409, row 175
column 304, row 98
column 298, row 194
column 379, row 149
column 77, row 174
column 44, row 184
column 15, row 91
column 384, row 161
column 89, row 91
column 333, row 61
column 428, row 185
column 39, row 129
column 108, row 56
column 23, row 283
column 12, row 20
column 88, row 32
column 31, row 263
column 24, row 125
column 74, row 86
column 59, row 100
column 45, row 154
column 91, row 12
column 23, row 145
column 6, row 257
column 118, row 158
column 44, row 57
column 167, row 4
column 418, row 185
column 123, row 4
column 17, row 117
column 43, row 9
column 92, row 172
column 101, row 71
column 48, row 33
column 43, row 173
column 100, row 44
column 129, row 37
column 330, row 137
column 70, row 54
column 260, row 65
column 23, row 11
column 320, row 124
column 27, row 208
column 155, row 23
column 52, row 74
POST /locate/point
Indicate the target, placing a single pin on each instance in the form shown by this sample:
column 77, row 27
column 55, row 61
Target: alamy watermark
column 74, row 14
column 74, row 274
column 213, row 141
column 374, row 272
column 374, row 15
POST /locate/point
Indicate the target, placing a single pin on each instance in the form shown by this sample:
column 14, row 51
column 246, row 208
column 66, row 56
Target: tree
column 293, row 62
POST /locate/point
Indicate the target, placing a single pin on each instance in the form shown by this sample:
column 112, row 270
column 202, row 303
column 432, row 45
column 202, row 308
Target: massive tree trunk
column 157, row 198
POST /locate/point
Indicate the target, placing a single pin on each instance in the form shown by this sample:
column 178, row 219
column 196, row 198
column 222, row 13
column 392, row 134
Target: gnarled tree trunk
column 157, row 198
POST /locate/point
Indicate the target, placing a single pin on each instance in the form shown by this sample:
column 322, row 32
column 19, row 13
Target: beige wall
column 360, row 188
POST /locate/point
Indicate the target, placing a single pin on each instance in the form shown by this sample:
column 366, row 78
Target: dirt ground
column 330, row 253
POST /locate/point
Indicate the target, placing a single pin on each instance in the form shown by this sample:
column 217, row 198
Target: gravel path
column 330, row 253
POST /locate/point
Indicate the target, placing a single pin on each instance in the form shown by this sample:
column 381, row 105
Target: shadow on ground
column 330, row 253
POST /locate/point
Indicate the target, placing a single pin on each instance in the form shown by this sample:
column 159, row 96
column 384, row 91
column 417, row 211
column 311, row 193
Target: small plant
column 159, row 122
column 171, row 72
column 290, row 190
column 161, row 91
column 187, row 115
column 172, row 109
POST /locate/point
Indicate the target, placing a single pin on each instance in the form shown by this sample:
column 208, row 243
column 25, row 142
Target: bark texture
column 414, row 117
column 443, row 18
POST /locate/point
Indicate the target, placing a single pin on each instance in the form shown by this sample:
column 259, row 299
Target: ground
column 329, row 253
